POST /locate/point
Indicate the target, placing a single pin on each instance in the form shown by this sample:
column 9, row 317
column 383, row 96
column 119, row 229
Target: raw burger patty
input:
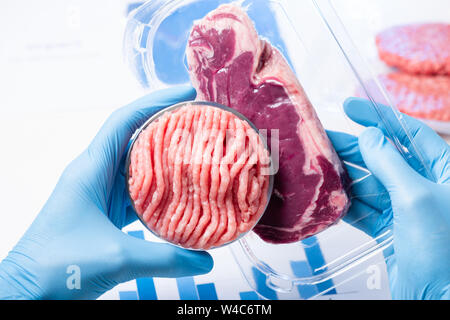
column 231, row 65
column 187, row 183
column 418, row 49
column 426, row 97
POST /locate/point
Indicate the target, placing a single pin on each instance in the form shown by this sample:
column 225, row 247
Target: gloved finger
column 435, row 150
column 110, row 143
column 385, row 118
column 371, row 192
column 365, row 187
column 347, row 147
column 150, row 259
column 384, row 161
column 131, row 215
column 121, row 211
column 368, row 220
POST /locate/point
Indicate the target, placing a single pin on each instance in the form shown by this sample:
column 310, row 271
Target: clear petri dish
column 331, row 49
column 175, row 107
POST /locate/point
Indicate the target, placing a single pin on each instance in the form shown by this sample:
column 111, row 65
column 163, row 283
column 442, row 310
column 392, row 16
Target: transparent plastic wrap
column 313, row 39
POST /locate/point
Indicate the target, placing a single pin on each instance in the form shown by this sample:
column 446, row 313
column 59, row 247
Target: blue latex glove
column 78, row 230
column 397, row 197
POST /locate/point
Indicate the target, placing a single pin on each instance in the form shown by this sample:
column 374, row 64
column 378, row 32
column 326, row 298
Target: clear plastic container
column 324, row 57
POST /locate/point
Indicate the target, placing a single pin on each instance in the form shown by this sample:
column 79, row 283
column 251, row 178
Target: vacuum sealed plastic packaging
column 230, row 64
column 317, row 47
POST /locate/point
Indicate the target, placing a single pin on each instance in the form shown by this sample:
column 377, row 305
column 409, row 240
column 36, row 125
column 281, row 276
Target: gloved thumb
column 111, row 141
column 150, row 259
column 385, row 162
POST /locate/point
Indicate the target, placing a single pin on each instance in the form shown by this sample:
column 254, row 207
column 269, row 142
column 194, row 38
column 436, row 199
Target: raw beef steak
column 231, row 65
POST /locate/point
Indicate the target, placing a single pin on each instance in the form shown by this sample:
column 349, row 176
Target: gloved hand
column 78, row 230
column 397, row 197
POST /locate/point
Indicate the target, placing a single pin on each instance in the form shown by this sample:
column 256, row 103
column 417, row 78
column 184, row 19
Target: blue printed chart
column 226, row 282
column 186, row 287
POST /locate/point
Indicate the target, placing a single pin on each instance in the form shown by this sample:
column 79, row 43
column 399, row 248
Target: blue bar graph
column 128, row 295
column 146, row 289
column 145, row 286
column 207, row 291
column 262, row 288
column 137, row 234
column 316, row 260
column 249, row 295
column 187, row 289
column 301, row 269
